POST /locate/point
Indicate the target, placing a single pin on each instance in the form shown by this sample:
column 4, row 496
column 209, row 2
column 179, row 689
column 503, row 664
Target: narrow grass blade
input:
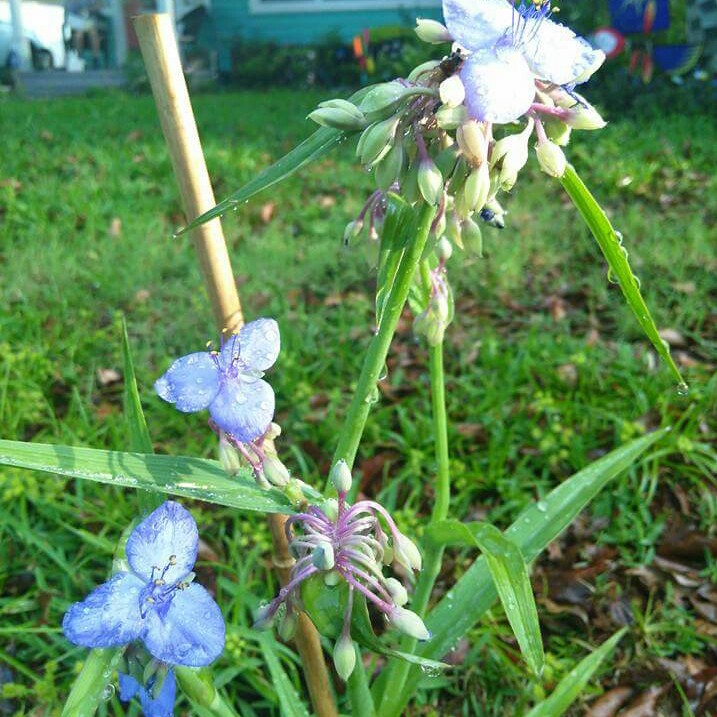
column 538, row 525
column 611, row 246
column 85, row 697
column 510, row 577
column 315, row 146
column 570, row 687
column 290, row 703
column 139, row 438
column 177, row 475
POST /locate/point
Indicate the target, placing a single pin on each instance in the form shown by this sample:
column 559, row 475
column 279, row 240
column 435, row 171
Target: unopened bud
column 345, row 105
column 340, row 476
column 472, row 140
column 409, row 623
column 263, row 617
column 451, row 91
column 428, row 325
column 472, row 237
column 432, row 31
column 330, row 508
column 422, row 69
column 376, row 141
column 513, row 151
column 337, row 118
column 275, row 471
column 344, row 656
column 390, row 167
column 430, row 181
column 409, row 187
column 322, row 556
column 557, row 131
column 397, row 592
column 444, row 249
column 580, row 117
column 229, row 456
column 477, row 188
column 352, row 230
column 288, row 625
column 451, row 118
column 551, row 158
column 406, row 552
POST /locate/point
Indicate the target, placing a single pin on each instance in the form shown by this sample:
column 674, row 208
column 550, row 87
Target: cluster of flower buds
column 452, row 133
column 350, row 543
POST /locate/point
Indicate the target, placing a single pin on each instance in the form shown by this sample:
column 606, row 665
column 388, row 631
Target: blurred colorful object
column 639, row 16
column 360, row 47
column 676, row 59
column 609, row 40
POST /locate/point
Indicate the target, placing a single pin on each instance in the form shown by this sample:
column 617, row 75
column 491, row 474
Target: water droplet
column 265, row 405
column 430, row 671
column 372, row 396
column 683, row 389
column 241, row 399
column 207, row 615
column 108, row 692
column 542, row 506
column 611, row 277
column 384, row 373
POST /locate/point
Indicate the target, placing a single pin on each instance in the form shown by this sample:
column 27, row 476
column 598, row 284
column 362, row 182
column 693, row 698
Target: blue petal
column 257, row 344
column 162, row 704
column 128, row 687
column 499, row 85
column 190, row 383
column 167, row 535
column 191, row 631
column 109, row 616
column 243, row 409
column 478, row 24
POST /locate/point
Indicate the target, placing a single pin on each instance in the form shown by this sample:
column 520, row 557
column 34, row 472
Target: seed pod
column 229, row 456
column 344, row 105
column 352, row 230
column 376, row 141
column 409, row 623
column 444, row 249
column 275, row 471
column 344, row 656
column 406, row 552
column 430, row 181
column 472, row 237
column 551, row 158
column 337, row 118
column 397, row 592
column 477, row 187
column 383, row 99
column 390, row 168
column 473, row 142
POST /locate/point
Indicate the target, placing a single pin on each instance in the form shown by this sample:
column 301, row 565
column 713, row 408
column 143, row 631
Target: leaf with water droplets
column 610, row 243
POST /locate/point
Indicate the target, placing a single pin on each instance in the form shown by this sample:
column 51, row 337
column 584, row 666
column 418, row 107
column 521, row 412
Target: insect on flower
column 156, row 602
column 156, row 696
column 228, row 382
column 512, row 46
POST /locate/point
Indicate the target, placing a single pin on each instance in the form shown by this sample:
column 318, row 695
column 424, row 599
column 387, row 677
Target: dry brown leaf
column 609, row 703
column 266, row 213
column 645, row 705
column 107, row 376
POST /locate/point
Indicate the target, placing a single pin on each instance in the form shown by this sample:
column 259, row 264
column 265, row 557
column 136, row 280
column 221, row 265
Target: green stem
column 397, row 673
column 198, row 685
column 375, row 360
column 358, row 690
column 97, row 672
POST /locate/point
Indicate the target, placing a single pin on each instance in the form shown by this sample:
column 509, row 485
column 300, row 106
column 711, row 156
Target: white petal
column 555, row 53
column 499, row 85
column 476, row 24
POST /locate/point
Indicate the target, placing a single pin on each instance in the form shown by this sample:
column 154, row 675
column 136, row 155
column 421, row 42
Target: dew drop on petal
column 241, row 398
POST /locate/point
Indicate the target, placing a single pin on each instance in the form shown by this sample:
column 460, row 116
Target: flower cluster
column 351, row 543
column 445, row 133
column 155, row 602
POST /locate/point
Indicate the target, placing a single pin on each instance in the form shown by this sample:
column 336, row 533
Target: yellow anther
column 150, row 600
column 159, row 581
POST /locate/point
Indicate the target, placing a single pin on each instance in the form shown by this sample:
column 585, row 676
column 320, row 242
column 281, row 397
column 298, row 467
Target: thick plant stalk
column 355, row 421
column 161, row 58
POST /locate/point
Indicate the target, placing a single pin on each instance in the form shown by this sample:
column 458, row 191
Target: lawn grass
column 546, row 369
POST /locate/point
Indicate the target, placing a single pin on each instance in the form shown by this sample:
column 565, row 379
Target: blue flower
column 510, row 47
column 176, row 619
column 157, row 699
column 228, row 382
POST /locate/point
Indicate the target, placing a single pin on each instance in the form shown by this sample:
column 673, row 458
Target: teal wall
column 232, row 20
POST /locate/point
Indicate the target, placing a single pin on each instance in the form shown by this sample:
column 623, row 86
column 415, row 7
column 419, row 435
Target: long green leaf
column 611, row 246
column 538, row 525
column 290, row 703
column 570, row 687
column 139, row 438
column 510, row 577
column 177, row 475
column 315, row 146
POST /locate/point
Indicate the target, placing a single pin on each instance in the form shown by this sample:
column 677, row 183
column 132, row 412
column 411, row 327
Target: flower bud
column 406, row 552
column 323, row 556
column 229, row 456
column 428, row 325
column 275, row 471
column 330, row 509
column 472, row 140
column 352, row 230
column 397, row 592
column 551, row 158
column 390, row 168
column 383, row 99
column 409, row 623
column 444, row 249
column 422, row 69
column 340, row 476
column 344, row 656
column 477, row 188
column 472, row 237
column 579, row 117
column 409, row 188
column 345, row 105
column 451, row 118
column 430, row 181
column 288, row 625
column 513, row 151
column 376, row 141
column 432, row 31
column 263, row 617
column 451, row 91
column 337, row 118
column 557, row 131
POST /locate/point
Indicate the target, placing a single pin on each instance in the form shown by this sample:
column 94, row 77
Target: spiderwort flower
column 156, row 602
column 349, row 543
column 156, row 697
column 228, row 382
column 512, row 46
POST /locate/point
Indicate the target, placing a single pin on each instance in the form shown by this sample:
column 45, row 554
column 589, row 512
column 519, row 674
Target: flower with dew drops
column 510, row 47
column 228, row 382
column 156, row 601
column 156, row 696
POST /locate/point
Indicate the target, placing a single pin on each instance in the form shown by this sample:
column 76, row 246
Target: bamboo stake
column 161, row 58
